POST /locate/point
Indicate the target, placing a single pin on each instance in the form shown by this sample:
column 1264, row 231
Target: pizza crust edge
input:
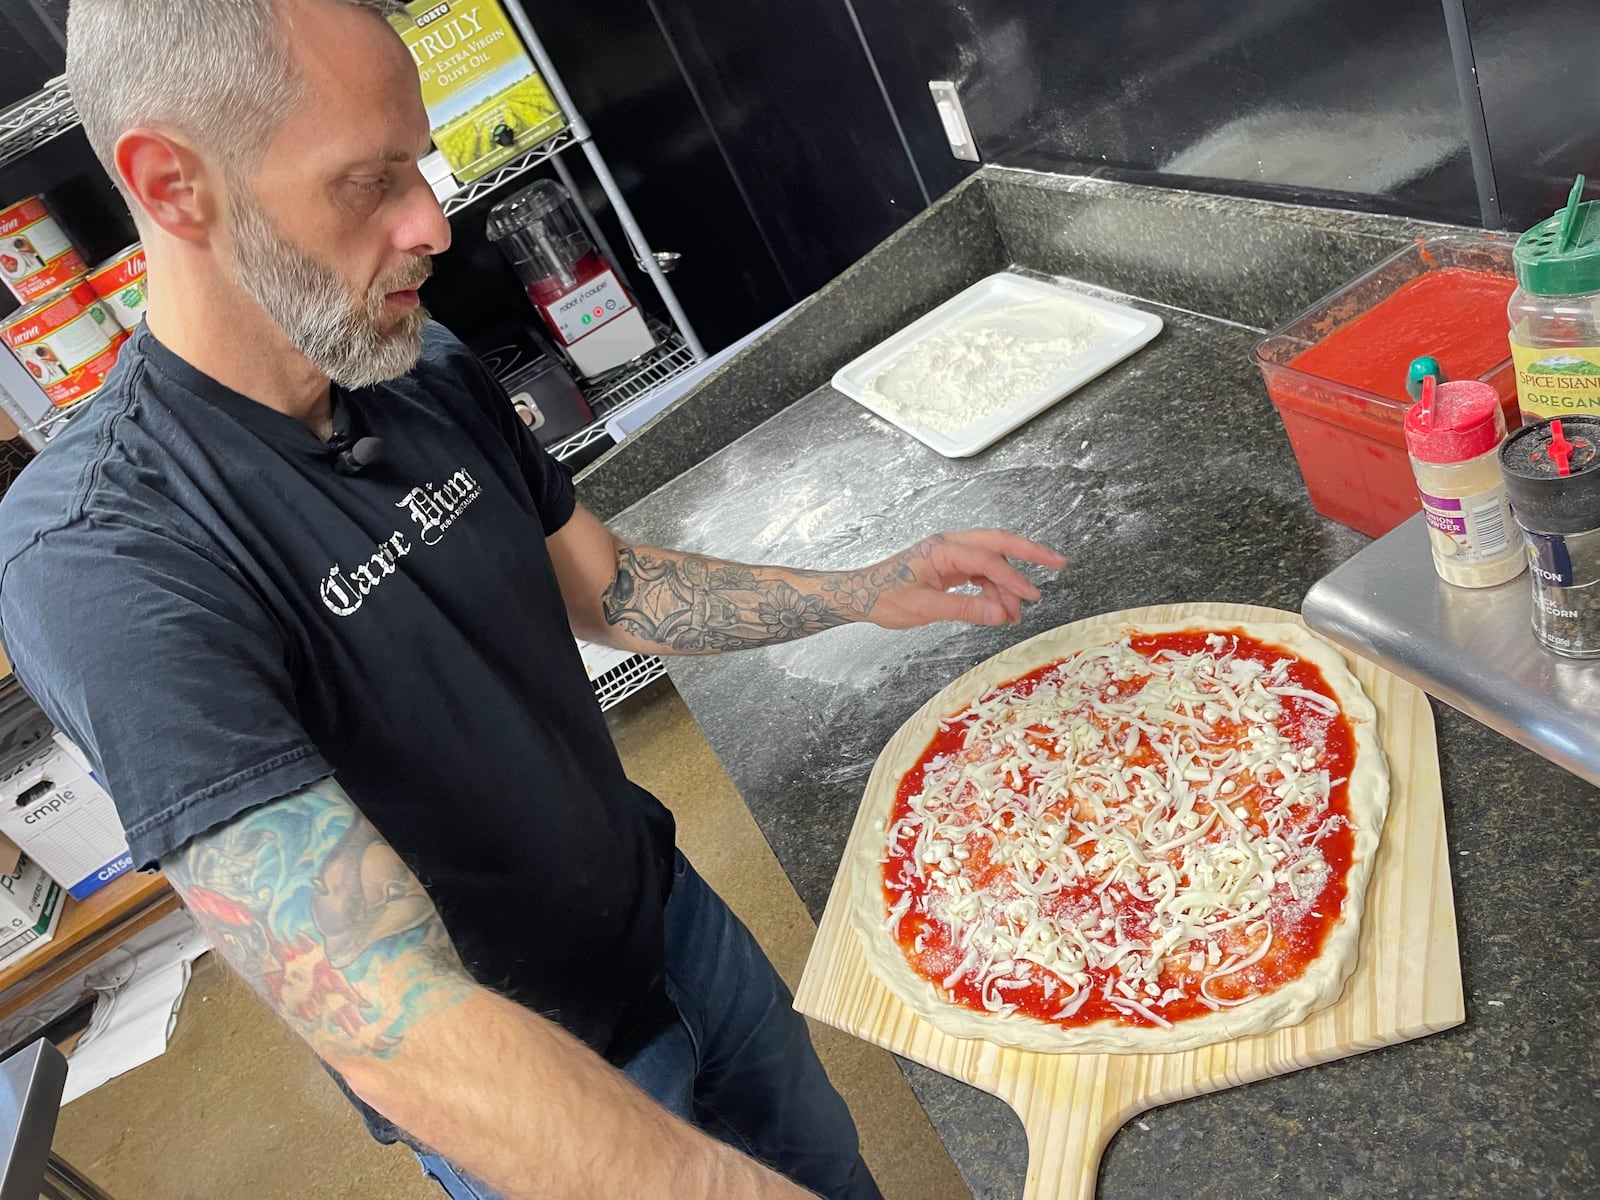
column 1323, row 981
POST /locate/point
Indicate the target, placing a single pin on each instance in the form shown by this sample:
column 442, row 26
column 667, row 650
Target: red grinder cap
column 1454, row 422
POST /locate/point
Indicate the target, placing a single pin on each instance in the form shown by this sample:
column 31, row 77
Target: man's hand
column 917, row 591
column 655, row 601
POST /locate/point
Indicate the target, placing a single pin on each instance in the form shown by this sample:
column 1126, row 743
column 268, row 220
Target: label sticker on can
column 127, row 305
column 36, row 257
column 1557, row 383
column 1469, row 529
column 119, row 282
column 68, row 342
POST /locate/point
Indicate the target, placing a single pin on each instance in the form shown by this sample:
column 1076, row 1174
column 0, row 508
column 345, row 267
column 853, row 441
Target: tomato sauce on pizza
column 1142, row 833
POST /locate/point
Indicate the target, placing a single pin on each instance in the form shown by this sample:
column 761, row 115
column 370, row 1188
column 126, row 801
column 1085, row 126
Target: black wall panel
column 1342, row 101
column 790, row 93
column 1539, row 73
column 912, row 42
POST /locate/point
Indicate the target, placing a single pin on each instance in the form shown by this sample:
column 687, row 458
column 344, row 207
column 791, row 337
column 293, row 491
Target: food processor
column 587, row 308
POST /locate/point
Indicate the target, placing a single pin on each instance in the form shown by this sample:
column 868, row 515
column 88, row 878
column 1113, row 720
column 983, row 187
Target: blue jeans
column 739, row 1062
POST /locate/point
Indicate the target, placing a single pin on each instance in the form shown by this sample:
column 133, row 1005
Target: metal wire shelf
column 630, row 385
column 617, row 684
column 55, row 417
column 479, row 188
column 35, row 120
column 52, row 421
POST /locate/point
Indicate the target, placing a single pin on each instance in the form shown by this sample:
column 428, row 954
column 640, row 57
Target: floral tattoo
column 695, row 605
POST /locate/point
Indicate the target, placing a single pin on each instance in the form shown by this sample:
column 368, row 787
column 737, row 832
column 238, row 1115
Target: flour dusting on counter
column 984, row 364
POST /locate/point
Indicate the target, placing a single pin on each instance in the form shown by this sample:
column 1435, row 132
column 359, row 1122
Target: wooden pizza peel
column 1407, row 983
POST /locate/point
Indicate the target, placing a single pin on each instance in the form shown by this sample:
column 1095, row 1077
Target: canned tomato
column 35, row 256
column 68, row 342
column 119, row 282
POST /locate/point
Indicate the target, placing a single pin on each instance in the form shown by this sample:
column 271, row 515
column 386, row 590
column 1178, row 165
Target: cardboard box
column 10, row 855
column 53, row 807
column 486, row 103
column 30, row 907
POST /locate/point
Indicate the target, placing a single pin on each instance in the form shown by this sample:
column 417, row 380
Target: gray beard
column 341, row 336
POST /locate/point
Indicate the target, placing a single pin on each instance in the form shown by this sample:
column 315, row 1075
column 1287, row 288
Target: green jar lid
column 1561, row 256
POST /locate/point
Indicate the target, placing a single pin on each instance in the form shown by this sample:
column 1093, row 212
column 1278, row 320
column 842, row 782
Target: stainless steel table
column 1473, row 648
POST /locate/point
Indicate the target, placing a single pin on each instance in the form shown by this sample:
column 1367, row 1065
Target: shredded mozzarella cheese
column 1142, row 817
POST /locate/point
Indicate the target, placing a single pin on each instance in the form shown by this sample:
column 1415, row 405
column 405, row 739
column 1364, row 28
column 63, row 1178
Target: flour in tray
column 984, row 363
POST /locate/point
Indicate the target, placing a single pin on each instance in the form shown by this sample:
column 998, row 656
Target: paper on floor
column 141, row 983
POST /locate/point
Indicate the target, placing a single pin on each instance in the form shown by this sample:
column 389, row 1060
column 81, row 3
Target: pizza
column 1127, row 838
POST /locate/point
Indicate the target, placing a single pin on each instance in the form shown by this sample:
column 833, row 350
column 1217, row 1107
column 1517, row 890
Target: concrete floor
column 238, row 1107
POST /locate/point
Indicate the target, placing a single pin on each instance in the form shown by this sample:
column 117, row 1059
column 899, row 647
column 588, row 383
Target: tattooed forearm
column 321, row 917
column 693, row 605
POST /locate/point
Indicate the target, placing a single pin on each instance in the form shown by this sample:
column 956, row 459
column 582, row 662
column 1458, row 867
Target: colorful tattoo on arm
column 321, row 917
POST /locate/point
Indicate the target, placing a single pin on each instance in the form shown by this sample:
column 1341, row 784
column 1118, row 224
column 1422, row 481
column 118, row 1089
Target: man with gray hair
column 304, row 588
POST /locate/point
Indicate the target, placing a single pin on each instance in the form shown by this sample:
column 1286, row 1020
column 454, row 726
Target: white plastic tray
column 1123, row 331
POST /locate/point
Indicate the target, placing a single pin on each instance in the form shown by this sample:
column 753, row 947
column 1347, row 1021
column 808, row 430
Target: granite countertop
column 1168, row 479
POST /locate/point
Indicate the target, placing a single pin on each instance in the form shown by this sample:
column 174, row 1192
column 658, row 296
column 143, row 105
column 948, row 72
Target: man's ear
column 174, row 186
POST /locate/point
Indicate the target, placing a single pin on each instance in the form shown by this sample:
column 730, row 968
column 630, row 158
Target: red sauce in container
column 1338, row 377
column 1457, row 316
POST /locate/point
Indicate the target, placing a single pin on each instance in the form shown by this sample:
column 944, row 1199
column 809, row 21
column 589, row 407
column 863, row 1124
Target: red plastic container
column 1348, row 436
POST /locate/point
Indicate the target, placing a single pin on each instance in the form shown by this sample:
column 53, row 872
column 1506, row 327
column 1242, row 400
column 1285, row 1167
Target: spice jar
column 1552, row 470
column 1453, row 435
column 1555, row 339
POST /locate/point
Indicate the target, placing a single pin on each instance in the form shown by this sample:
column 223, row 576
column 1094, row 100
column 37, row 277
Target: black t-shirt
column 192, row 592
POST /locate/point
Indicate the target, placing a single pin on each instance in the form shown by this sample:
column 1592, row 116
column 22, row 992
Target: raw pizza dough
column 1320, row 984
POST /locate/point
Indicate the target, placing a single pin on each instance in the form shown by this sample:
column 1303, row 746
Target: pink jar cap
column 1454, row 421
